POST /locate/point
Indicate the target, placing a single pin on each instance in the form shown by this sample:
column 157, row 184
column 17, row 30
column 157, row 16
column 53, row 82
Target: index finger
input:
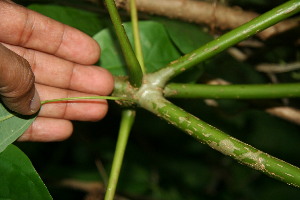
column 23, row 27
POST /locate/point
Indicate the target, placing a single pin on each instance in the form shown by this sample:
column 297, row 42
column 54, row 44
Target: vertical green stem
column 133, row 66
column 136, row 35
column 127, row 120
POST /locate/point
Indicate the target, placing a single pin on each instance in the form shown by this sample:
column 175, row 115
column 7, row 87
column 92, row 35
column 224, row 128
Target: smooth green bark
column 150, row 98
column 132, row 64
column 127, row 121
column 255, row 91
column 136, row 35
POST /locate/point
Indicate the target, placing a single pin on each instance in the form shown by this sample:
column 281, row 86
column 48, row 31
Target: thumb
column 17, row 90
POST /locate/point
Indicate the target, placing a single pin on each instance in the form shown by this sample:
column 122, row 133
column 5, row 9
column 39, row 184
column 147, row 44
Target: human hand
column 61, row 59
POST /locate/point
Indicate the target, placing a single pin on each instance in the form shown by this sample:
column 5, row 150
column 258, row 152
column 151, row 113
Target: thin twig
column 278, row 68
column 286, row 112
column 136, row 35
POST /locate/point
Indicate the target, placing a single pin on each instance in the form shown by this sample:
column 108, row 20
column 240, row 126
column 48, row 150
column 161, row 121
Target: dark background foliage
column 160, row 161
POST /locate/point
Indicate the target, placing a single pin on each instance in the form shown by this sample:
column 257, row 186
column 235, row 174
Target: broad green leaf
column 111, row 54
column 85, row 21
column 187, row 37
column 11, row 126
column 158, row 49
column 18, row 179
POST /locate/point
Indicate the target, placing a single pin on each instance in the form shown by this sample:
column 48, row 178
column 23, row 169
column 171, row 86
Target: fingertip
column 79, row 47
column 17, row 88
column 96, row 52
column 99, row 112
column 98, row 81
column 107, row 81
column 92, row 52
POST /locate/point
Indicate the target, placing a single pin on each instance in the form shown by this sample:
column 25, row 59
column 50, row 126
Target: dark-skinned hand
column 42, row 59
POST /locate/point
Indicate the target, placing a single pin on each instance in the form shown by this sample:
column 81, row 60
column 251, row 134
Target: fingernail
column 35, row 103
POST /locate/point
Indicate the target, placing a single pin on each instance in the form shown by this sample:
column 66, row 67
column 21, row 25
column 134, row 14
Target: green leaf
column 85, row 21
column 111, row 53
column 187, row 37
column 18, row 179
column 12, row 126
column 157, row 48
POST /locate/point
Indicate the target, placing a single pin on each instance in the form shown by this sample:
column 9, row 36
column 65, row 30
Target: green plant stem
column 87, row 97
column 133, row 66
column 136, row 35
column 220, row 141
column 257, row 91
column 72, row 99
column 233, row 37
column 150, row 97
column 127, row 121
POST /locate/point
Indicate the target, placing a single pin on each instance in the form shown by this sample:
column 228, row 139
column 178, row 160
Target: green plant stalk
column 149, row 96
column 256, row 91
column 233, row 37
column 72, row 99
column 133, row 66
column 127, row 121
column 136, row 35
column 218, row 140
